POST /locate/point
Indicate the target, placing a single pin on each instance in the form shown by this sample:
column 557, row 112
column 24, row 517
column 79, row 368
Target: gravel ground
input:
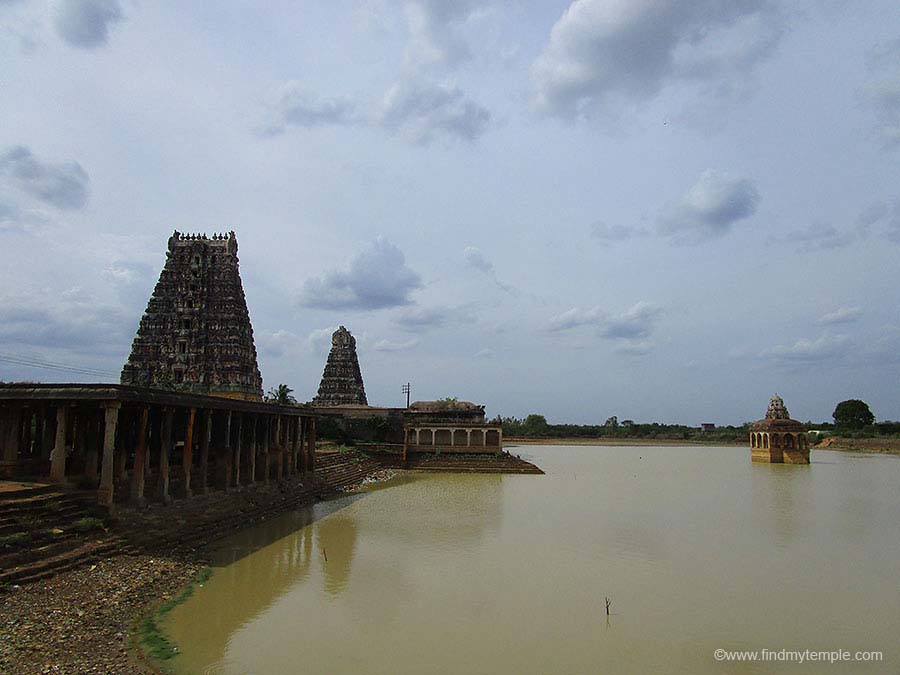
column 79, row 621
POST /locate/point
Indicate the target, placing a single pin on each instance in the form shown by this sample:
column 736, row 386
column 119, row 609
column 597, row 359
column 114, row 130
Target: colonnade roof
column 28, row 391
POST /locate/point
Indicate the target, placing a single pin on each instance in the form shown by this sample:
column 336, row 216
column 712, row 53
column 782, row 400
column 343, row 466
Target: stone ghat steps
column 182, row 527
column 340, row 470
column 447, row 463
column 223, row 522
column 51, row 530
column 86, row 552
column 26, row 490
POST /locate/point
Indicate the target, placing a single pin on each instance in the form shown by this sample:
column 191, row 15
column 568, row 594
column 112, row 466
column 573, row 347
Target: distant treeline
column 536, row 426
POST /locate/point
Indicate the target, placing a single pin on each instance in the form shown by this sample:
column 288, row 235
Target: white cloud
column 710, row 208
column 486, row 353
column 840, row 315
column 319, row 341
column 86, row 23
column 602, row 53
column 375, row 279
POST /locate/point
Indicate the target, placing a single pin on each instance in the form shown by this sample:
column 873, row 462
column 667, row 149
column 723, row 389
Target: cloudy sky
column 661, row 210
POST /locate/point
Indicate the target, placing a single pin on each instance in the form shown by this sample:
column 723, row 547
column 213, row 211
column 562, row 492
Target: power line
column 49, row 365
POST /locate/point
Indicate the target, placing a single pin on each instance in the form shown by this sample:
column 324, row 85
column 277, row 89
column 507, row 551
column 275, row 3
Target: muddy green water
column 697, row 548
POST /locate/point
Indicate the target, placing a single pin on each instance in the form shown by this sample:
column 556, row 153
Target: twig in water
column 608, row 601
column 325, row 555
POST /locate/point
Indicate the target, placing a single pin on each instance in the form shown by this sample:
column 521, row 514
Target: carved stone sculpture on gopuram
column 342, row 382
column 195, row 334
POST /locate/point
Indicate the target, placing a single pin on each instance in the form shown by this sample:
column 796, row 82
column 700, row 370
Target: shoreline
column 103, row 617
column 512, row 441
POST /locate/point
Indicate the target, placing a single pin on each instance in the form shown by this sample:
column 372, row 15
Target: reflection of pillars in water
column 336, row 536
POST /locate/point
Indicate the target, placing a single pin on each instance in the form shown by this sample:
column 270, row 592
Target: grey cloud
column 127, row 272
column 65, row 185
column 476, row 260
column 840, row 315
column 72, row 322
column 417, row 318
column 632, row 328
column 420, row 110
column 827, row 349
column 818, row 237
column 615, row 234
column 486, row 353
column 292, row 106
column 882, row 218
column 389, row 346
column 86, row 23
column 603, row 53
column 710, row 208
column 376, row 278
column 882, row 93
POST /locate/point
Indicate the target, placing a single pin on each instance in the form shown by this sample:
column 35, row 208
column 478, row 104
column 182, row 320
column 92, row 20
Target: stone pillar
column 238, row 451
column 312, row 445
column 225, row 454
column 468, row 438
column 265, row 453
column 88, row 440
column 252, row 448
column 279, row 447
column 10, row 437
column 47, row 432
column 165, row 446
column 187, row 457
column 295, row 448
column 126, row 434
column 111, row 420
column 500, row 440
column 405, row 444
column 205, row 435
column 140, row 458
column 58, row 456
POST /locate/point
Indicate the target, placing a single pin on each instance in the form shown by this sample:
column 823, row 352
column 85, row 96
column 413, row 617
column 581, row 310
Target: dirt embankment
column 884, row 446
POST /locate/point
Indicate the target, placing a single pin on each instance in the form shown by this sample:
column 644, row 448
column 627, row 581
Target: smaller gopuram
column 778, row 439
column 342, row 382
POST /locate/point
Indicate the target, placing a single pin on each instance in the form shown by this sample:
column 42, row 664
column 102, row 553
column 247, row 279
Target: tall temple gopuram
column 195, row 334
column 777, row 439
column 342, row 382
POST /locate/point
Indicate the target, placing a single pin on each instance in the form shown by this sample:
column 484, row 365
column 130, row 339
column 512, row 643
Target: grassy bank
column 148, row 636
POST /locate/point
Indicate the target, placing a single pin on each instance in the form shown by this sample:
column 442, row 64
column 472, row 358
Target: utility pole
column 406, row 391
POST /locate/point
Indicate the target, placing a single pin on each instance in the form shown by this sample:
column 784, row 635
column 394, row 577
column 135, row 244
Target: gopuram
column 195, row 335
column 778, row 439
column 342, row 382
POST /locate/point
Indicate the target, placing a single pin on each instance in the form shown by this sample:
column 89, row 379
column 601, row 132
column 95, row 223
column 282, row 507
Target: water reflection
column 696, row 547
column 336, row 539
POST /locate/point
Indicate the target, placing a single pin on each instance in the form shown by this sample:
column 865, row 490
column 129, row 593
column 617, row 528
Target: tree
column 853, row 414
column 282, row 394
column 535, row 425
